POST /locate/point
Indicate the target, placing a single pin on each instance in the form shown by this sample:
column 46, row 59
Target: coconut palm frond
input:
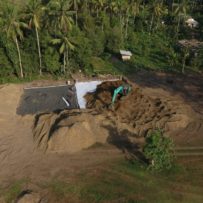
column 56, row 41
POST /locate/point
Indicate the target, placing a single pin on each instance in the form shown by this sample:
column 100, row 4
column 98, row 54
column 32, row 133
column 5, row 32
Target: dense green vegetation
column 159, row 150
column 58, row 37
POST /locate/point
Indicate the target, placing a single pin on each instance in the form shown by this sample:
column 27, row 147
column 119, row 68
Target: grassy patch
column 61, row 189
column 124, row 67
column 101, row 66
column 122, row 181
column 125, row 182
column 11, row 193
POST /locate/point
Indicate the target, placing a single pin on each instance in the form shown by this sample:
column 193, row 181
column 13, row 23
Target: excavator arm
column 117, row 91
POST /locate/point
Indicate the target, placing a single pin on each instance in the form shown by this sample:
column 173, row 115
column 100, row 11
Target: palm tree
column 117, row 7
column 12, row 26
column 181, row 12
column 60, row 15
column 157, row 10
column 127, row 13
column 135, row 7
column 113, row 6
column 75, row 6
column 98, row 5
column 64, row 46
column 33, row 14
column 131, row 8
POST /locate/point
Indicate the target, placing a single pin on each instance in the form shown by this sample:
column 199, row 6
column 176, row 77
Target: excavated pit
column 133, row 116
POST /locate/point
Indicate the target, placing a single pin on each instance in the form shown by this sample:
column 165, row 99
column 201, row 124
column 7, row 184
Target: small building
column 125, row 55
column 192, row 23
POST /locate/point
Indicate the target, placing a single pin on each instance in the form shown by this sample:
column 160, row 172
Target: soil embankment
column 131, row 119
column 22, row 152
column 141, row 113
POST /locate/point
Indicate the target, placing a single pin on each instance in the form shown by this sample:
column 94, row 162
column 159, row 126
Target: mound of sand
column 139, row 113
column 133, row 116
column 69, row 131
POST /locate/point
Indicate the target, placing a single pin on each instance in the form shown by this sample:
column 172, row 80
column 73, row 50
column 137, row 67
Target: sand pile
column 138, row 112
column 69, row 131
column 133, row 116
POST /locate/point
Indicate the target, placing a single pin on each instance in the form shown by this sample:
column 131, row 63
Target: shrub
column 159, row 151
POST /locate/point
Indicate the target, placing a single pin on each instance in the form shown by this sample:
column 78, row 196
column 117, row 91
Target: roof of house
column 125, row 53
column 192, row 21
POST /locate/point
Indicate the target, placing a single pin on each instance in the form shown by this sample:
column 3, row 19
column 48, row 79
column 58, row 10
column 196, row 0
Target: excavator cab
column 126, row 89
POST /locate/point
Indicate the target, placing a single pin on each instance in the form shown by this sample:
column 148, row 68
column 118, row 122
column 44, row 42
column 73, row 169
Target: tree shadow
column 189, row 87
column 131, row 150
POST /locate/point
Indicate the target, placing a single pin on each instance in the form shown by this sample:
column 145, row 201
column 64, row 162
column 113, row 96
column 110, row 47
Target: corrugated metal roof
column 126, row 53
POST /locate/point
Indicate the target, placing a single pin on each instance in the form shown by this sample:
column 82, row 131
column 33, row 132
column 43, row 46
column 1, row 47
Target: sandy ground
column 19, row 157
column 184, row 90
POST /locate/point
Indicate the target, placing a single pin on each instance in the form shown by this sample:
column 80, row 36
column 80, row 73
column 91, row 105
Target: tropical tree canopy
column 61, row 36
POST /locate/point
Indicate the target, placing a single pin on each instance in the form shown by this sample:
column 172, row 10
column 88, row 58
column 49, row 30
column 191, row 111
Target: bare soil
column 140, row 113
column 54, row 150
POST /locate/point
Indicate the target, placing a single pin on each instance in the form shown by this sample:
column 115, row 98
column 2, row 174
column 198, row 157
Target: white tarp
column 82, row 88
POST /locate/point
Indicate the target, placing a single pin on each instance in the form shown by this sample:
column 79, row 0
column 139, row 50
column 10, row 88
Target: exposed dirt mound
column 140, row 113
column 101, row 99
column 69, row 131
column 133, row 116
column 19, row 160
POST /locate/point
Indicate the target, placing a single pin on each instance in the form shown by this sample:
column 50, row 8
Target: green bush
column 159, row 151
